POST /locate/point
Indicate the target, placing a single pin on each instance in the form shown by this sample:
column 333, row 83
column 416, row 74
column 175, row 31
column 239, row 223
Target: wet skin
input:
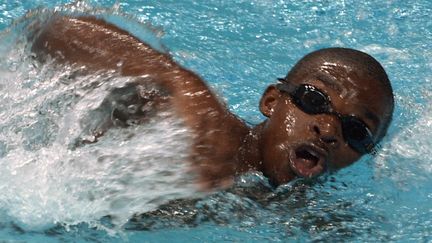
column 290, row 143
column 289, row 131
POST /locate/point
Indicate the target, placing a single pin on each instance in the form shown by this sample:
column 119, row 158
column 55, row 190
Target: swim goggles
column 313, row 101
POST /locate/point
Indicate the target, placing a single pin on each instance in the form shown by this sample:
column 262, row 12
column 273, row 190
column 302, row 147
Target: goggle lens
column 312, row 100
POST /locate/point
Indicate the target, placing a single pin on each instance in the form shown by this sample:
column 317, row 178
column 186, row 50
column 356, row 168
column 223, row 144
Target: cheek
column 275, row 151
column 289, row 123
column 344, row 157
column 276, row 166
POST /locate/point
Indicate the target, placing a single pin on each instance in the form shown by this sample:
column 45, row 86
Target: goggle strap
column 285, row 87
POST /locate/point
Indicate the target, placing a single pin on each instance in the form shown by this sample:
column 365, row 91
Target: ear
column 269, row 101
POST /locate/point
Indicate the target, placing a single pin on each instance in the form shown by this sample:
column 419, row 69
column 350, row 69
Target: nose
column 326, row 128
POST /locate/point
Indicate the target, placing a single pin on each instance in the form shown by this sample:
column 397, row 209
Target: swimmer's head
column 334, row 106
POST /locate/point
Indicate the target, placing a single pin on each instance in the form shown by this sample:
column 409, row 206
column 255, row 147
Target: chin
column 280, row 179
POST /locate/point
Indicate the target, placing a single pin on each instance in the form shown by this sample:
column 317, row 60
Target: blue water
column 240, row 47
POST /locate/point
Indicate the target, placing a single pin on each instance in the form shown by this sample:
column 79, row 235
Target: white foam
column 394, row 54
column 43, row 181
column 406, row 157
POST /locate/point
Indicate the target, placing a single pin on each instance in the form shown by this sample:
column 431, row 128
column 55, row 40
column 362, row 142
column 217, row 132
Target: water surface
column 50, row 193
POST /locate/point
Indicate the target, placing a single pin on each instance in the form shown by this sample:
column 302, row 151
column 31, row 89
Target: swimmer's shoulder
column 97, row 44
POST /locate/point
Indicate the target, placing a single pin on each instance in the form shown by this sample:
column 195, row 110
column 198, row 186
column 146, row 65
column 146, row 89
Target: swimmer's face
column 296, row 143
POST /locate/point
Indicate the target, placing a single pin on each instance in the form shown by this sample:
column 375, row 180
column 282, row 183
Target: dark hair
column 363, row 63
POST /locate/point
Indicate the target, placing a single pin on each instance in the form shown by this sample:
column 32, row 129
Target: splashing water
column 44, row 109
column 41, row 111
column 406, row 158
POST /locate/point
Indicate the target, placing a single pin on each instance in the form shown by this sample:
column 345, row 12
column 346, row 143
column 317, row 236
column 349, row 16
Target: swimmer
column 332, row 107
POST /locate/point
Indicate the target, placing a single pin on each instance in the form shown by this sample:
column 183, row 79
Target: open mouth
column 308, row 160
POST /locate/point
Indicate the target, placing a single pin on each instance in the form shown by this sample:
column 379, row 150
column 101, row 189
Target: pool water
column 50, row 194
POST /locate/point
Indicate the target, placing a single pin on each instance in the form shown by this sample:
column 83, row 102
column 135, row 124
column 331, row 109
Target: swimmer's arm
column 96, row 45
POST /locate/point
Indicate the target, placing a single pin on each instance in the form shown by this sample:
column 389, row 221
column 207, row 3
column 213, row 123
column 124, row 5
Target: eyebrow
column 371, row 116
column 330, row 81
